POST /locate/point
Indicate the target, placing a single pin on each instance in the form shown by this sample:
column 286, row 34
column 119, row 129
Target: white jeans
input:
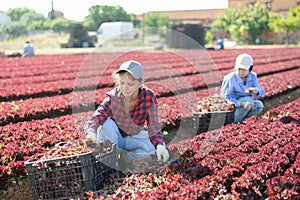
column 240, row 113
column 138, row 146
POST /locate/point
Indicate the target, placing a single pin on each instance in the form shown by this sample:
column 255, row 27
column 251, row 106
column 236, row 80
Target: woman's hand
column 162, row 153
column 252, row 90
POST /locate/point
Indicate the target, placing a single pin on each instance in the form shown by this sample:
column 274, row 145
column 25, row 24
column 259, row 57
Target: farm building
column 208, row 16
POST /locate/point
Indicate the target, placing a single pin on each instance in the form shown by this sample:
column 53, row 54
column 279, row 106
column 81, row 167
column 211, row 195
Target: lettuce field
column 46, row 99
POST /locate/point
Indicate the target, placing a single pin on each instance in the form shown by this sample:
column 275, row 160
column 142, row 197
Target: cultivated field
column 47, row 98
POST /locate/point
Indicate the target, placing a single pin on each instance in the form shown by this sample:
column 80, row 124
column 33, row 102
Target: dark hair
column 251, row 68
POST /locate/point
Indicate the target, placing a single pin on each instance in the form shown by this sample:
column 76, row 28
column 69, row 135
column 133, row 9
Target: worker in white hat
column 243, row 89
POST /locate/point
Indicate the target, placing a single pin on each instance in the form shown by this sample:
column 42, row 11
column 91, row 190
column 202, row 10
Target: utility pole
column 143, row 27
column 52, row 10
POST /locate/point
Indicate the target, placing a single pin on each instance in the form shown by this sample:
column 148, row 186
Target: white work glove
column 252, row 90
column 249, row 106
column 162, row 153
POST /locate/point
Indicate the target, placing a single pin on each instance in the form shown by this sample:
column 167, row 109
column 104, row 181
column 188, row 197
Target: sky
column 78, row 9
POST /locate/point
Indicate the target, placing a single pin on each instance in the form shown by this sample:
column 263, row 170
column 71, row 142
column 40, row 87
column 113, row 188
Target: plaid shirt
column 145, row 110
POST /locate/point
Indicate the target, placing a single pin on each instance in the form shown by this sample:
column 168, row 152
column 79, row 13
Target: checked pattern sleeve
column 100, row 115
column 154, row 128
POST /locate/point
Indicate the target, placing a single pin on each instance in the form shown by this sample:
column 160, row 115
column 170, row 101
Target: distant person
column 257, row 41
column 28, row 49
column 242, row 88
column 220, row 44
column 159, row 46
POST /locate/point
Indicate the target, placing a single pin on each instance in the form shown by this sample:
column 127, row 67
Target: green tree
column 230, row 24
column 17, row 13
column 244, row 23
column 25, row 20
column 156, row 20
column 133, row 19
column 256, row 19
column 12, row 30
column 208, row 37
column 30, row 20
column 19, row 26
column 58, row 25
column 99, row 14
column 288, row 25
column 38, row 25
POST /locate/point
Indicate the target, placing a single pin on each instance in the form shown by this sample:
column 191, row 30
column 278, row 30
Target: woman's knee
column 108, row 131
column 148, row 146
column 143, row 151
column 143, row 144
column 108, row 126
column 259, row 109
column 259, row 104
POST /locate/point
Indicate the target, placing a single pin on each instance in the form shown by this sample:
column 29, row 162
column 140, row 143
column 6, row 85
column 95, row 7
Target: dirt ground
column 50, row 43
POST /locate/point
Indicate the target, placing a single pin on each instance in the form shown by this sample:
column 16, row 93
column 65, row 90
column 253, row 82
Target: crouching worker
column 242, row 88
column 121, row 116
column 28, row 50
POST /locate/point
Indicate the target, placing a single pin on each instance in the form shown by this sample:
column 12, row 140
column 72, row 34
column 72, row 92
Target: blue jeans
column 137, row 146
column 240, row 113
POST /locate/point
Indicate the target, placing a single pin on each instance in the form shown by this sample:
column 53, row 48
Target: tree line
column 249, row 23
column 240, row 24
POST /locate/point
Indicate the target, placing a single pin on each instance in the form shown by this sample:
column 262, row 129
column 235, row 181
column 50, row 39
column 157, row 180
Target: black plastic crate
column 207, row 121
column 70, row 176
column 105, row 165
column 61, row 178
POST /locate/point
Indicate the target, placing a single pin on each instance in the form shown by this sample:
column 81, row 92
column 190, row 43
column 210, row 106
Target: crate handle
column 60, row 144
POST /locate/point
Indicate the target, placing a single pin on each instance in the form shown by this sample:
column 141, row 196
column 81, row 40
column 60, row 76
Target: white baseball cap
column 243, row 61
column 133, row 67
